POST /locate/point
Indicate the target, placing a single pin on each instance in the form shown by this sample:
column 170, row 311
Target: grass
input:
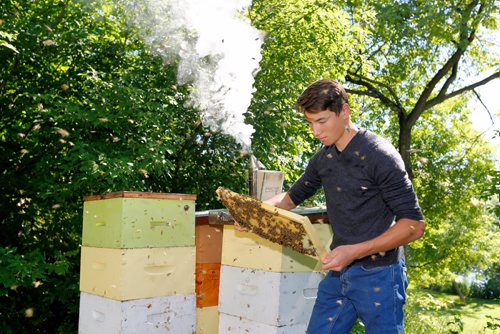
column 448, row 310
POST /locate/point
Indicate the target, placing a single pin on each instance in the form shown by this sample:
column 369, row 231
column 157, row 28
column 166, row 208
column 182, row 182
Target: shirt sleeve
column 395, row 186
column 307, row 184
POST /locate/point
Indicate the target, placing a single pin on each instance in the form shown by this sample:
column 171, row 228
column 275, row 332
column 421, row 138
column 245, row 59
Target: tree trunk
column 459, row 292
column 404, row 145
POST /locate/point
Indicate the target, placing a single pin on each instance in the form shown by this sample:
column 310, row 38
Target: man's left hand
column 340, row 257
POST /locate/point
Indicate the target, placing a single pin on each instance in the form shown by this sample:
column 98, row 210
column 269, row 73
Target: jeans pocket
column 400, row 294
column 401, row 283
column 372, row 268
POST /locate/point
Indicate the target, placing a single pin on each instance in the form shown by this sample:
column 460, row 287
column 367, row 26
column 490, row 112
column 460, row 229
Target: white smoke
column 218, row 52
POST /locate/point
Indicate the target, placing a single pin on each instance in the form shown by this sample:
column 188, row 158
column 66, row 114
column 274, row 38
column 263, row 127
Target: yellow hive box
column 207, row 320
column 125, row 274
column 139, row 220
column 248, row 250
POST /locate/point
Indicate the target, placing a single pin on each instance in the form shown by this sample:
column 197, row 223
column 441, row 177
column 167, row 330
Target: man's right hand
column 239, row 228
column 282, row 201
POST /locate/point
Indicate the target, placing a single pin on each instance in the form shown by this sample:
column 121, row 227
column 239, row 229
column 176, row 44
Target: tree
column 420, row 59
column 85, row 108
column 304, row 40
column 451, row 173
column 407, row 66
column 420, row 54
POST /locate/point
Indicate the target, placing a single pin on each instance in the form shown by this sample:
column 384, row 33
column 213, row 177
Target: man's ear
column 346, row 111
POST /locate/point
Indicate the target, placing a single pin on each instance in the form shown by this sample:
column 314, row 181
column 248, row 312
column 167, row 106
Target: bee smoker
column 263, row 183
column 253, row 170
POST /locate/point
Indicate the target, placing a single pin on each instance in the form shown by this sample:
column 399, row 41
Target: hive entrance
column 274, row 224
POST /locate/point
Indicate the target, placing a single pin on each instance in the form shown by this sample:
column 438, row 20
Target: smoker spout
column 254, row 166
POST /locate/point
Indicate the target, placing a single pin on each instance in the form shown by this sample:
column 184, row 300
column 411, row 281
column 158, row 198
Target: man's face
column 326, row 125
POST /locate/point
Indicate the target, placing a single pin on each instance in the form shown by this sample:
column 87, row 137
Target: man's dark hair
column 324, row 94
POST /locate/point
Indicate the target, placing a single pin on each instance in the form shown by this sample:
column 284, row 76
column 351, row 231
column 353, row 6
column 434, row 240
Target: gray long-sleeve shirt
column 366, row 188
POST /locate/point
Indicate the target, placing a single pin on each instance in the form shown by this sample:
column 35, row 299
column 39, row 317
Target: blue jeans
column 374, row 294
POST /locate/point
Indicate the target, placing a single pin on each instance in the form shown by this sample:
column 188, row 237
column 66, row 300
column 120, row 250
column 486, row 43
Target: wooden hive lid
column 138, row 194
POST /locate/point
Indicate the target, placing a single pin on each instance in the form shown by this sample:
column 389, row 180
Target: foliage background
column 87, row 108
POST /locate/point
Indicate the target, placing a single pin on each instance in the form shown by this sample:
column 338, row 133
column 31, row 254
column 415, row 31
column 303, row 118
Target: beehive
column 138, row 220
column 207, row 284
column 248, row 250
column 231, row 324
column 274, row 224
column 170, row 314
column 275, row 299
column 208, row 243
column 125, row 274
column 207, row 320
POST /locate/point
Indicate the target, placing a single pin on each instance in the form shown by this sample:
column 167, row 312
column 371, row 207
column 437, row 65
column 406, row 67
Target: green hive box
column 139, row 220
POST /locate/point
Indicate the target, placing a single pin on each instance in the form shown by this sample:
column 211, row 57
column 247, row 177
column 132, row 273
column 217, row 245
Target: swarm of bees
column 276, row 225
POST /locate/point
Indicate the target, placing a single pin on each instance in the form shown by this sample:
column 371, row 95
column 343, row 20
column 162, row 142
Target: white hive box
column 230, row 324
column 172, row 314
column 276, row 299
column 248, row 250
column 124, row 274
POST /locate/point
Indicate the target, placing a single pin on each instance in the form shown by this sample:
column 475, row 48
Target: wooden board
column 138, row 194
column 274, row 224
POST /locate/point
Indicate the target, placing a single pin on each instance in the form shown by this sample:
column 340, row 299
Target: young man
column 373, row 211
